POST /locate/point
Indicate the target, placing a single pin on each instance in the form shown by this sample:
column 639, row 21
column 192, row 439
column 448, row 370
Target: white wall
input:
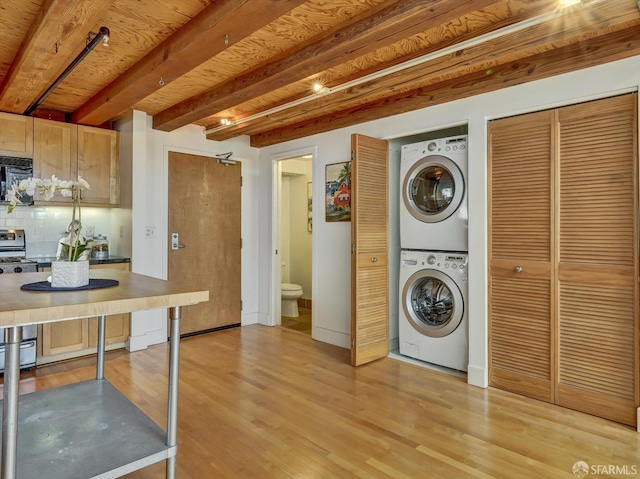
column 331, row 241
column 45, row 225
column 295, row 238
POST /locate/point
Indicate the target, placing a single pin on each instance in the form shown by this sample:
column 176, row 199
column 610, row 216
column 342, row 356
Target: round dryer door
column 433, row 189
column 432, row 303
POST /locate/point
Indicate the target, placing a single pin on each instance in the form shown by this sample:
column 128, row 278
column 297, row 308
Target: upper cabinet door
column 16, row 135
column 98, row 164
column 55, row 150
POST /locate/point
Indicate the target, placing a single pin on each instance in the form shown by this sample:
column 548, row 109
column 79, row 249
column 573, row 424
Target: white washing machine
column 433, row 209
column 433, row 324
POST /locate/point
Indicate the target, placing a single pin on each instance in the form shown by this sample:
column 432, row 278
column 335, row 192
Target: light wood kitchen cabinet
column 16, row 135
column 98, row 163
column 117, row 328
column 55, row 151
column 68, row 339
column 68, row 151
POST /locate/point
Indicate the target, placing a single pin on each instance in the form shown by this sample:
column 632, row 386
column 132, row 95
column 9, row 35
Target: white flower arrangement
column 75, row 245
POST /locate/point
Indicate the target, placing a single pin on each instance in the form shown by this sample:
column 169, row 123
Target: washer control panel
column 445, row 261
column 448, row 261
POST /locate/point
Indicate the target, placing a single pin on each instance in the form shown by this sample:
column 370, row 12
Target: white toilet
column 290, row 294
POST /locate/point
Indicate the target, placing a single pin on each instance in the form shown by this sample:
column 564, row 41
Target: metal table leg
column 172, row 410
column 12, row 339
column 101, row 347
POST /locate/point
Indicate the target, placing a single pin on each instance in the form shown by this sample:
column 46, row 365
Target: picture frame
column 338, row 191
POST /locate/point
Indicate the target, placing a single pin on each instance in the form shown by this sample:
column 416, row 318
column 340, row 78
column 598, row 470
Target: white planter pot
column 69, row 274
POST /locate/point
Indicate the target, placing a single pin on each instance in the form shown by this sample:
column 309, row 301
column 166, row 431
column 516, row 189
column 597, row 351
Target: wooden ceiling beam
column 483, row 57
column 200, row 39
column 591, row 52
column 57, row 35
column 384, row 24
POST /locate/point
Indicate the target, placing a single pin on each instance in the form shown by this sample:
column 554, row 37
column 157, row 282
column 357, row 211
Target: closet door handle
column 517, row 269
column 374, row 260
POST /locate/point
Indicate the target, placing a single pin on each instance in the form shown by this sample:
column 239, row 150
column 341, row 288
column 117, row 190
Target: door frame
column 276, row 221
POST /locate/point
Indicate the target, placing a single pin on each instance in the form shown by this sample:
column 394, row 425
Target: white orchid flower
column 82, row 183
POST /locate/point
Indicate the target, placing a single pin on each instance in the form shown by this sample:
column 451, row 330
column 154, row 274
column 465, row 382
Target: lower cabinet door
column 78, row 337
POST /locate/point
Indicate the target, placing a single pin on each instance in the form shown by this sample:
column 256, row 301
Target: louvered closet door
column 520, row 252
column 370, row 237
column 597, row 270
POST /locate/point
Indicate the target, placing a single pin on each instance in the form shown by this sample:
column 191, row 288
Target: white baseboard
column 332, row 337
column 477, row 376
column 136, row 343
column 250, row 318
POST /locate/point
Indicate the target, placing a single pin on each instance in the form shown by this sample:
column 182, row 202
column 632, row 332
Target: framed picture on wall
column 309, row 208
column 338, row 191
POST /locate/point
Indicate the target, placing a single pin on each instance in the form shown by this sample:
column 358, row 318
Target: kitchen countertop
column 134, row 292
column 45, row 262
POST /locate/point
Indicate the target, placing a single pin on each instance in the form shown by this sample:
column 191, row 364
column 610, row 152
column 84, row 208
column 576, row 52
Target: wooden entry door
column 204, row 209
column 370, row 249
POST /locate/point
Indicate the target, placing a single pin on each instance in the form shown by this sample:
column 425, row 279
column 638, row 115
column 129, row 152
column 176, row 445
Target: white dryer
column 433, row 209
column 433, row 324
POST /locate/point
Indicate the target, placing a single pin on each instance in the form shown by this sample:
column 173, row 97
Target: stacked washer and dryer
column 433, row 324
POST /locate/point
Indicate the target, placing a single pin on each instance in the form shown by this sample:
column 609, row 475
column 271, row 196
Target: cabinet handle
column 518, row 269
column 374, row 260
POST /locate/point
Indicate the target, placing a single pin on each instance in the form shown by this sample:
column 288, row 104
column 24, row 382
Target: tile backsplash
column 45, row 225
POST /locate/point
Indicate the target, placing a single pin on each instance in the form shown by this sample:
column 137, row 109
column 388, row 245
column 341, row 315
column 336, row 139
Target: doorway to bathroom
column 294, row 222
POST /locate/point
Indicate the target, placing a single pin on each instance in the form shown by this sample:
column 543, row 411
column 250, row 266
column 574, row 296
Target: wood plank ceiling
column 253, row 63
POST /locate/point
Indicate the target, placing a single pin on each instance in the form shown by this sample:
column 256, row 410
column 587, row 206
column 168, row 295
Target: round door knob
column 518, row 269
column 374, row 260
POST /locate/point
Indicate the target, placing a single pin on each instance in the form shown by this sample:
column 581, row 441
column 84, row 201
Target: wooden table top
column 135, row 292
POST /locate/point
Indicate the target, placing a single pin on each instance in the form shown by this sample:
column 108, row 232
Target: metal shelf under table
column 85, row 430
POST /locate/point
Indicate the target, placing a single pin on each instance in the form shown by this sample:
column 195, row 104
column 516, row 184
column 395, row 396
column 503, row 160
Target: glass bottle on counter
column 100, row 247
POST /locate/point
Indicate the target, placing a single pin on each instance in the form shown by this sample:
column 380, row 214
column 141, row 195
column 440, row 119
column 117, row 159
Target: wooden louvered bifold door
column 563, row 250
column 520, row 252
column 370, row 251
column 597, row 297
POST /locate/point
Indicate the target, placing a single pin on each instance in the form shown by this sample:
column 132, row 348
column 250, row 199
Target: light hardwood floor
column 259, row 402
column 302, row 323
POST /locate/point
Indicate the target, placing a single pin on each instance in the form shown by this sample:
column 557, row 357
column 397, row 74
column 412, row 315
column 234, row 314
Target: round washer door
column 433, row 189
column 432, row 303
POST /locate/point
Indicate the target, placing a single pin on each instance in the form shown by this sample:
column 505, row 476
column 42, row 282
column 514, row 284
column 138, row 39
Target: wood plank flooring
column 260, row 402
column 302, row 323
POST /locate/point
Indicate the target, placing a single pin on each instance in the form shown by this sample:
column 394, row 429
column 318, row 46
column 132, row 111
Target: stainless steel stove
column 13, row 252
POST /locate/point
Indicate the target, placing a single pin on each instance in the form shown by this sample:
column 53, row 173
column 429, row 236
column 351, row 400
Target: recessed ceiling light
column 568, row 3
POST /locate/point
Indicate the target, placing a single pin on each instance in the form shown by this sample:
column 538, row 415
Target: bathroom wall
column 295, row 237
column 44, row 225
